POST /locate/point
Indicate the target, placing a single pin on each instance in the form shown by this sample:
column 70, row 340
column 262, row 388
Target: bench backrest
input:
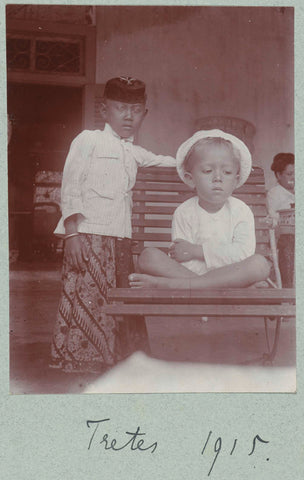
column 159, row 190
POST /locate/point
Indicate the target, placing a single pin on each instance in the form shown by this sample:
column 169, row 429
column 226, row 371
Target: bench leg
column 133, row 334
column 125, row 335
column 272, row 350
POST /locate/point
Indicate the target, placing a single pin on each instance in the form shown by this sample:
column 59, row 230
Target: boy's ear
column 189, row 179
column 237, row 177
column 103, row 110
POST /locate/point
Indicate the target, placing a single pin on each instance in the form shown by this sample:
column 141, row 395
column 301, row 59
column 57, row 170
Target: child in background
column 99, row 174
column 282, row 197
column 213, row 233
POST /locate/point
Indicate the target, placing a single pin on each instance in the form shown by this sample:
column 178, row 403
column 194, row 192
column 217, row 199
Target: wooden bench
column 157, row 193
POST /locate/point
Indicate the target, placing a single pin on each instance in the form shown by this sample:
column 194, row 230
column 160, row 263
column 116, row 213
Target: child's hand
column 76, row 253
column 183, row 251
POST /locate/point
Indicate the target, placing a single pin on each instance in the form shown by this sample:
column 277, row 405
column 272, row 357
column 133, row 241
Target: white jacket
column 98, row 176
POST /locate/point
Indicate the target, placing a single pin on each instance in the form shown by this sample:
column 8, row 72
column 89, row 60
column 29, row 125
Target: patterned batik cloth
column 85, row 339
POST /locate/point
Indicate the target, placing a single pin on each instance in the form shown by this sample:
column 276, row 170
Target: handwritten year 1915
column 217, row 447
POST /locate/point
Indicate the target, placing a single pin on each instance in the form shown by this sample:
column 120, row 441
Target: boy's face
column 287, row 177
column 214, row 175
column 124, row 118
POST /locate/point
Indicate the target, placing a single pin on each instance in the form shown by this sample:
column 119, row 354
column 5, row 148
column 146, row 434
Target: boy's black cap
column 126, row 90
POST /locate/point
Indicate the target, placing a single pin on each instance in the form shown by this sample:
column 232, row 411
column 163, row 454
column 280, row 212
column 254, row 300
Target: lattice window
column 57, row 56
column 45, row 54
column 18, row 53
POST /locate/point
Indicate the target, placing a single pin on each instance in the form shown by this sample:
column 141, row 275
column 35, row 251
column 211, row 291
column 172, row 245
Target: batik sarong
column 85, row 339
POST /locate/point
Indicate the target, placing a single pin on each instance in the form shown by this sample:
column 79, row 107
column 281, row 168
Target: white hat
column 245, row 155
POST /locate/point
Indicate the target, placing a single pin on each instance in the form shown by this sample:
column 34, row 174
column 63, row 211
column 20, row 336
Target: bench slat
column 261, row 236
column 257, row 179
column 168, row 197
column 223, row 295
column 262, row 248
column 182, row 187
column 161, row 223
column 169, row 174
column 258, row 210
column 199, row 310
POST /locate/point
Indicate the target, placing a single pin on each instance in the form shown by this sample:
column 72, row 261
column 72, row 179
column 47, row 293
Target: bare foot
column 141, row 280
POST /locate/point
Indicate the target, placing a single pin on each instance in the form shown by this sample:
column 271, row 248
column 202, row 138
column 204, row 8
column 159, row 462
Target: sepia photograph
column 151, row 199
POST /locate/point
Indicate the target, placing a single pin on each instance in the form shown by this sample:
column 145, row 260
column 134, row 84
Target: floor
column 34, row 295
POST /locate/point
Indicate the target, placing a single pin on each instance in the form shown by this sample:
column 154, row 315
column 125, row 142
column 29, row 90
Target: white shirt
column 279, row 198
column 227, row 236
column 98, row 176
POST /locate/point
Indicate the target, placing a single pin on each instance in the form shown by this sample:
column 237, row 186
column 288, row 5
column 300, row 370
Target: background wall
column 202, row 61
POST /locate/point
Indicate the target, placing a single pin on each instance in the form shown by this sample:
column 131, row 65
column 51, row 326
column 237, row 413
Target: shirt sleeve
column 218, row 253
column 144, row 158
column 73, row 174
column 181, row 226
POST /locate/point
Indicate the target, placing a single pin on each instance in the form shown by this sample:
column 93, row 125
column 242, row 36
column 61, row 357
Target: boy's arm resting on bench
column 145, row 158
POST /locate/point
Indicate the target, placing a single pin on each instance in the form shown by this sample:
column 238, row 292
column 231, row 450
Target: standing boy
column 98, row 177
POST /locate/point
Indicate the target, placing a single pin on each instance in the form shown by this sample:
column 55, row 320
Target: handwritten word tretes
column 134, row 441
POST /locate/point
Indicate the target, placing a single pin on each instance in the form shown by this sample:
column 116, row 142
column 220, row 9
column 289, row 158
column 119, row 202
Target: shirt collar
column 213, row 215
column 110, row 130
column 287, row 192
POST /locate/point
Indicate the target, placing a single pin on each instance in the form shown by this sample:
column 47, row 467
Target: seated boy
column 213, row 233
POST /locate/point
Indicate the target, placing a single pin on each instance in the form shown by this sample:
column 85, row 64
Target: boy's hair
column 280, row 162
column 218, row 141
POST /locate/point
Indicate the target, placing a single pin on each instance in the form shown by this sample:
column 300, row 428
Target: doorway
column 45, row 119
